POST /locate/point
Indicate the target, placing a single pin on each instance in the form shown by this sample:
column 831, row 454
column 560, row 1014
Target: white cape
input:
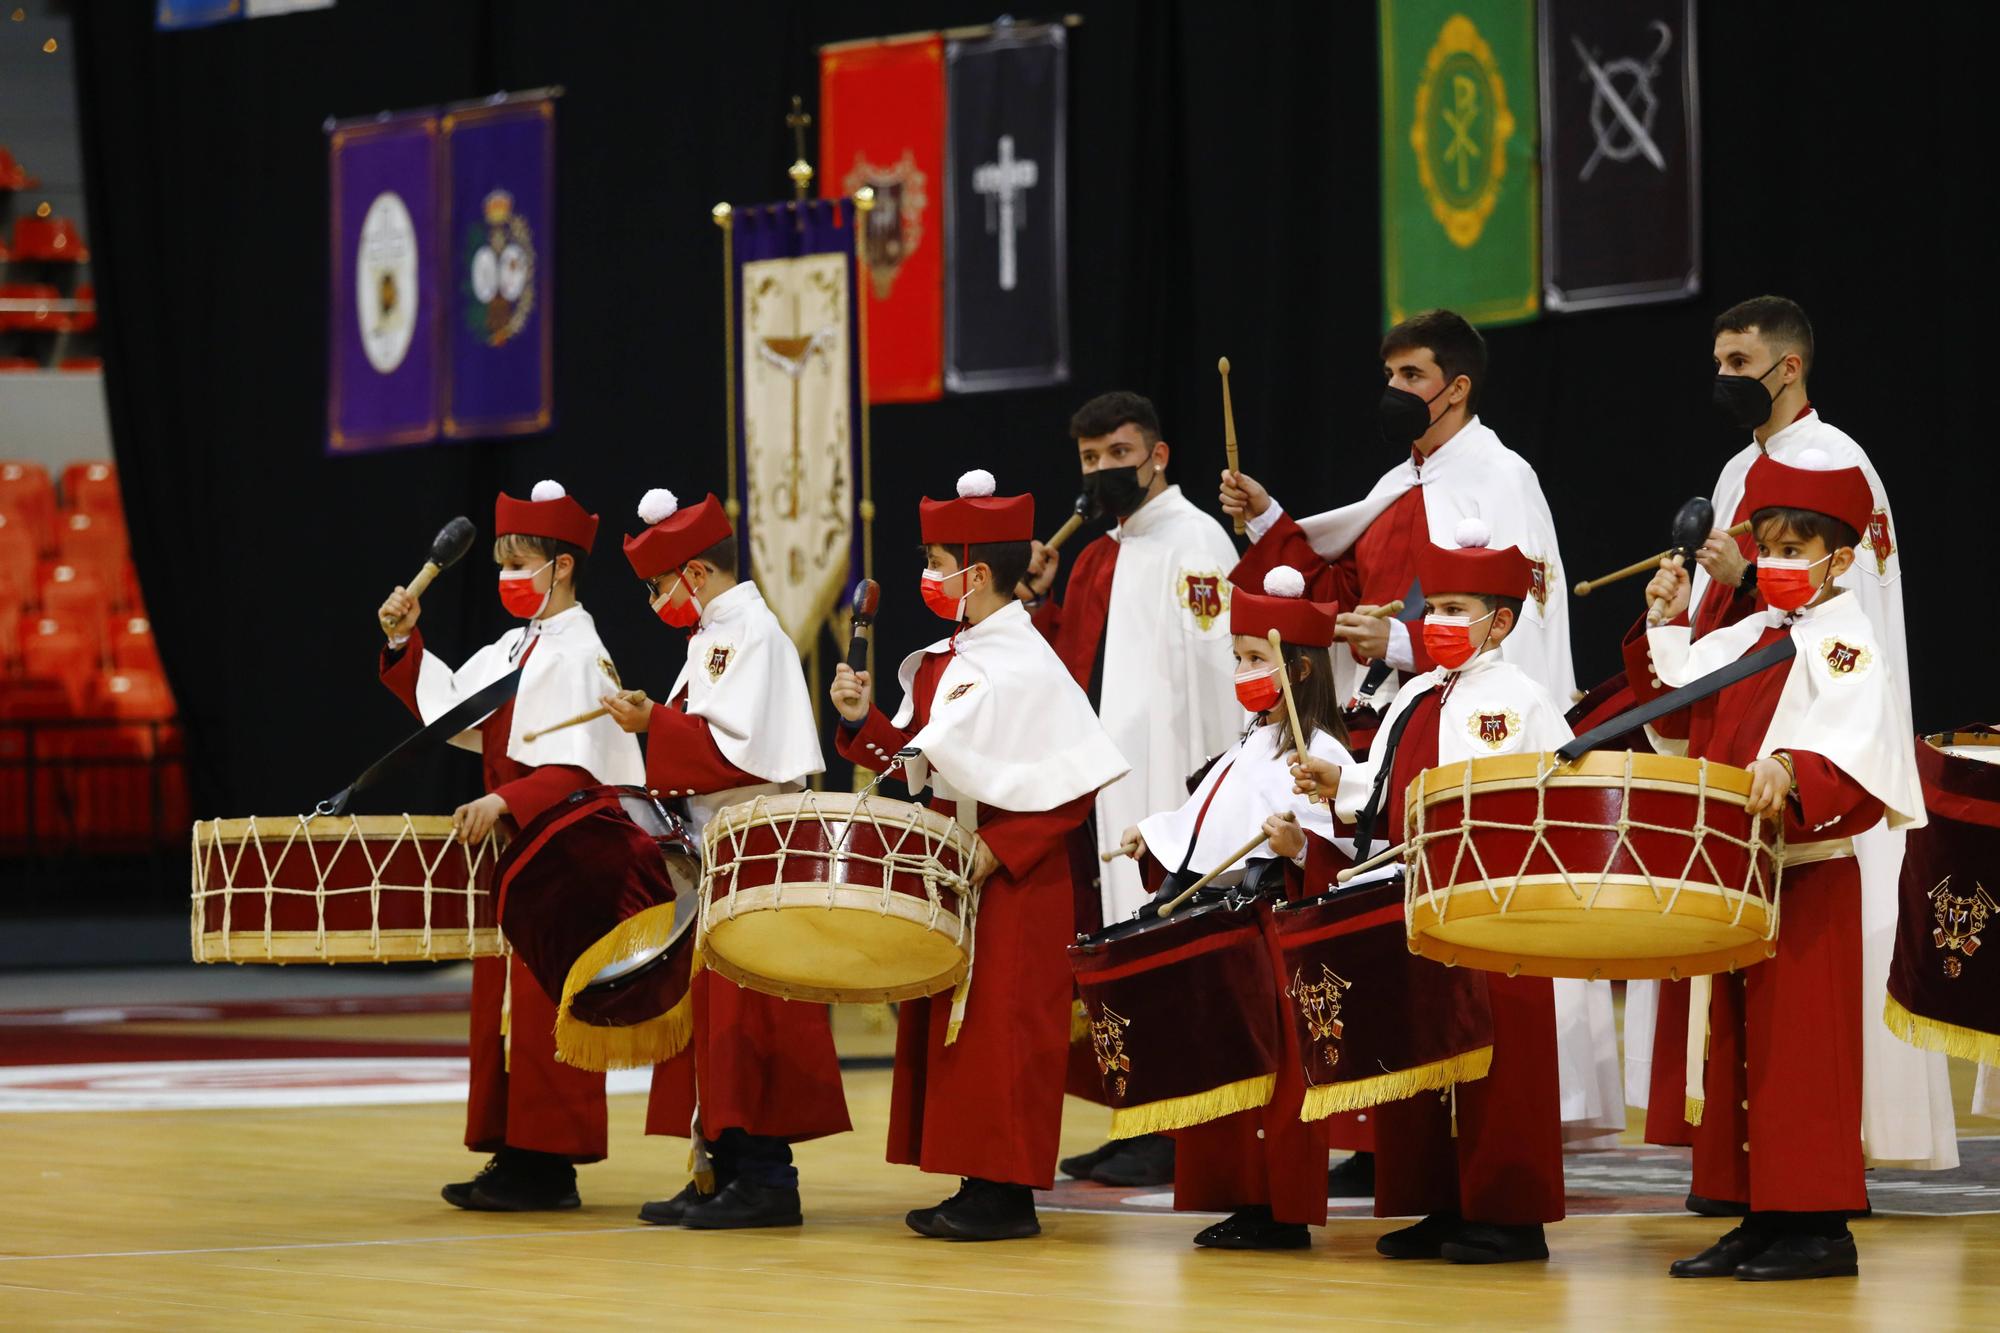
column 1168, row 699
column 565, row 676
column 1249, row 783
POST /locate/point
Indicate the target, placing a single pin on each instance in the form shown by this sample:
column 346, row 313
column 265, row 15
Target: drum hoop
column 1594, row 769
column 844, row 897
column 1730, row 959
column 1229, row 936
column 764, row 985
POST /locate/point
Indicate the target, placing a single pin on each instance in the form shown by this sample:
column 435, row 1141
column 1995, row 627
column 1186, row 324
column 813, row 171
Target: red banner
column 881, row 115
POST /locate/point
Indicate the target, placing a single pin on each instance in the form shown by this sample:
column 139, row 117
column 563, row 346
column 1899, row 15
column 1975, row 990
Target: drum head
column 853, row 956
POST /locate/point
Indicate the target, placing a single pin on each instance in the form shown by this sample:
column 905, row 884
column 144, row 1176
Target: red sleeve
column 1047, row 617
column 1645, row 685
column 1286, row 544
column 399, row 667
column 539, row 788
column 1829, row 804
column 1020, row 839
column 682, row 758
column 1324, row 862
column 873, row 743
column 1722, row 606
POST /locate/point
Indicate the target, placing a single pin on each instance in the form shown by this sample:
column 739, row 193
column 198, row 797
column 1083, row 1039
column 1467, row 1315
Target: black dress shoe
column 1253, row 1229
column 1723, row 1258
column 981, row 1210
column 1353, row 1178
column 1490, row 1243
column 1789, row 1258
column 1425, row 1240
column 669, row 1212
column 1142, row 1161
column 1080, row 1166
column 459, row 1195
column 924, row 1221
column 743, row 1205
column 1707, row 1207
column 525, row 1182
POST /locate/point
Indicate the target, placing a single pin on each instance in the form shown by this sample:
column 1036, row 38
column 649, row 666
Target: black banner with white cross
column 1006, row 318
column 1621, row 180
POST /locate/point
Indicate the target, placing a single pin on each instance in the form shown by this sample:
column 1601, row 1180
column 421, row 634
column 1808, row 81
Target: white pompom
column 547, row 490
column 976, row 483
column 1284, row 581
column 1814, row 460
column 1471, row 533
column 657, row 505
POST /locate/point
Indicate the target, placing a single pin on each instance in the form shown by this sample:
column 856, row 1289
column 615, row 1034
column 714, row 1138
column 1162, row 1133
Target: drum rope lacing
column 1420, row 884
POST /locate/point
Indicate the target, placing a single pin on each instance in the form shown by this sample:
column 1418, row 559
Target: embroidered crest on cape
column 718, row 661
column 1494, row 730
column 1538, row 582
column 1878, row 541
column 1107, row 1043
column 960, row 691
column 1206, row 597
column 1319, row 1008
column 1960, row 917
column 1845, row 660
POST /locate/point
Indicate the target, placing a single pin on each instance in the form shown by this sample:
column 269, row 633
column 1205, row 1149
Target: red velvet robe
column 989, row 1105
column 761, row 1064
column 519, row 1095
column 1074, row 626
column 1781, row 1120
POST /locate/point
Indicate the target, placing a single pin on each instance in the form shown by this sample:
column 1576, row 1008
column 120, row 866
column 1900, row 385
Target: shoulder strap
column 465, row 713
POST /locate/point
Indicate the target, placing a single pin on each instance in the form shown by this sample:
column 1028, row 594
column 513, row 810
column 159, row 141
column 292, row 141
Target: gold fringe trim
column 1130, row 1122
column 1364, row 1093
column 1079, row 1022
column 1691, row 1109
column 588, row 1046
column 1935, row 1035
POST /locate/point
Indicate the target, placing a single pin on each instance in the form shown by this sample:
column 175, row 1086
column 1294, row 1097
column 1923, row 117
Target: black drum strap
column 466, row 713
column 1674, row 700
column 1364, row 825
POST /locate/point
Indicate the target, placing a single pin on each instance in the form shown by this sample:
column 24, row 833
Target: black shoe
column 1080, row 1166
column 981, row 1210
column 743, row 1205
column 1425, row 1240
column 1141, row 1161
column 1353, row 1178
column 1723, row 1258
column 1490, row 1243
column 1253, row 1229
column 459, row 1195
column 669, row 1212
column 1707, row 1207
column 1791, row 1257
column 525, row 1182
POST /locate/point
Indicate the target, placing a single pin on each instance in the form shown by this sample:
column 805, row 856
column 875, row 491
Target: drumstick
column 1394, row 608
column 1379, row 858
column 867, row 596
column 454, row 539
column 631, row 696
column 1589, row 586
column 1202, row 883
column 1229, row 429
column 1065, row 532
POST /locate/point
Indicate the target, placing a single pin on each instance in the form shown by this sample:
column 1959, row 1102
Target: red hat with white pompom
column 1471, row 566
column 674, row 535
column 1283, row 607
column 549, row 511
column 1812, row 483
column 977, row 515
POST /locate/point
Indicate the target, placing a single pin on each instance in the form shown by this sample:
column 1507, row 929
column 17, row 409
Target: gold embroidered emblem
column 718, row 661
column 1960, row 917
column 1845, row 659
column 1460, row 130
column 1494, row 729
column 1107, row 1042
column 1538, row 582
column 1878, row 540
column 1206, row 597
column 1319, row 1006
column 961, row 691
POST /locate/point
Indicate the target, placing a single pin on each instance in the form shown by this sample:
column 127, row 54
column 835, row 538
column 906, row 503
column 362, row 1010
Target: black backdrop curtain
column 1223, row 200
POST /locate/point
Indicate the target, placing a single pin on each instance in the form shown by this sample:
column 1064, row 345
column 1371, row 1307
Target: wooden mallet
column 1070, row 524
column 867, row 597
column 1229, row 428
column 454, row 539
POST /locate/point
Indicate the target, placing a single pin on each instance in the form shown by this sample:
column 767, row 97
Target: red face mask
column 1257, row 688
column 1448, row 639
column 1787, row 584
column 937, row 599
column 519, row 595
column 684, row 616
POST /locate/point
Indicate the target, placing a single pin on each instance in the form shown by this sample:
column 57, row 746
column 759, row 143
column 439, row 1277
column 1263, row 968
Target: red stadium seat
column 94, row 544
column 27, row 497
column 18, row 584
column 12, row 175
column 19, row 365
column 49, row 240
column 30, row 305
column 132, row 644
column 74, row 595
column 81, row 365
column 35, row 699
column 136, row 695
column 92, row 488
column 52, row 650
column 83, row 319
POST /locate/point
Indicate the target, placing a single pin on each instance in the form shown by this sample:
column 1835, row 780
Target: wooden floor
column 324, row 1218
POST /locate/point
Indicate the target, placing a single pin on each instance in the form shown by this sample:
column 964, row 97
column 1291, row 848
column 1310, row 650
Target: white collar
column 1480, row 663
column 1148, row 515
column 729, row 605
column 993, row 624
column 1773, row 617
column 1789, row 434
column 560, row 621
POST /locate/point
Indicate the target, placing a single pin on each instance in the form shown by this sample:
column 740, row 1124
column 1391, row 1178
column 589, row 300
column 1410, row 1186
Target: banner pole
column 725, row 218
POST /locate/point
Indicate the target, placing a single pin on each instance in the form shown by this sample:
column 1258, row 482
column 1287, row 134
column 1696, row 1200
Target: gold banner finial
column 801, row 170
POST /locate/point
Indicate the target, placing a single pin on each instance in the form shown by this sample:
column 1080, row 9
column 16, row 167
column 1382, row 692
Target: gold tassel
column 1936, row 1035
column 1130, row 1122
column 1691, row 1109
column 588, row 1046
column 700, row 1165
column 1361, row 1094
column 1079, row 1022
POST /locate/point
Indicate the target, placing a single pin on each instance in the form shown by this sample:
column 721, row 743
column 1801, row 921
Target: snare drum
column 341, row 889
column 837, row 898
column 1619, row 866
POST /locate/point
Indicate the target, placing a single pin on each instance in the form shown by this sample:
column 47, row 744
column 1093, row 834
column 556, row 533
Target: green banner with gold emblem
column 1460, row 124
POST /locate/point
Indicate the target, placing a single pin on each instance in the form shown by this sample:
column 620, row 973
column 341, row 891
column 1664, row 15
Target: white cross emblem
column 1001, row 183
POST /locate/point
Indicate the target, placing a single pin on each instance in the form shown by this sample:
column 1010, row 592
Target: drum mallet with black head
column 454, row 539
column 867, row 597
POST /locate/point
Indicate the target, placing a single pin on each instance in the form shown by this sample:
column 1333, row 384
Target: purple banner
column 382, row 372
column 499, row 293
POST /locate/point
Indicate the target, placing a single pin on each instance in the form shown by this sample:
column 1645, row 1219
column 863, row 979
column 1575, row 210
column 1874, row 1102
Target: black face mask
column 1743, row 400
column 1116, row 491
column 1404, row 416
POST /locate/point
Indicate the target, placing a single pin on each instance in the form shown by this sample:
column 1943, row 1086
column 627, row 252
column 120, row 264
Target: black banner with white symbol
column 1006, row 277
column 1620, row 169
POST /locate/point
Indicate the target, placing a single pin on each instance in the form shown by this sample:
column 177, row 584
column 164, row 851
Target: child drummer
column 1267, row 1167
column 537, row 1117
column 1777, row 1104
column 1010, row 747
column 759, row 1072
column 1486, row 1186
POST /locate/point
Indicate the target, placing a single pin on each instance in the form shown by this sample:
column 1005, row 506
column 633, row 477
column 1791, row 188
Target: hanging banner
column 1459, row 128
column 1620, row 166
column 173, row 15
column 383, row 335
column 881, row 117
column 499, row 164
column 798, row 392
column 1006, row 275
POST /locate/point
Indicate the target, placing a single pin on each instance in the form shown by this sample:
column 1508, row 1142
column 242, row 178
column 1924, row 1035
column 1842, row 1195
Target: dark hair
column 1493, row 602
column 1315, row 697
column 1454, row 344
column 721, row 556
column 1108, row 411
column 1805, row 524
column 548, row 548
column 1007, row 560
column 1778, row 320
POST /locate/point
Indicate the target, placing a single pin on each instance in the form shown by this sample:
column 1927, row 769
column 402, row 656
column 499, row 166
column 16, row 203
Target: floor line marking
column 321, row 1245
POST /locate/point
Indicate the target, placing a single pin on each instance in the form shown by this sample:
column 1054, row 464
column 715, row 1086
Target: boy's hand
column 399, row 613
column 1367, row 636
column 631, row 710
column 1770, row 784
column 1722, row 558
column 1131, row 844
column 1287, row 838
column 472, row 821
column 1243, row 496
column 1315, row 777
column 849, row 692
column 984, row 863
column 1042, row 562
column 1671, row 586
